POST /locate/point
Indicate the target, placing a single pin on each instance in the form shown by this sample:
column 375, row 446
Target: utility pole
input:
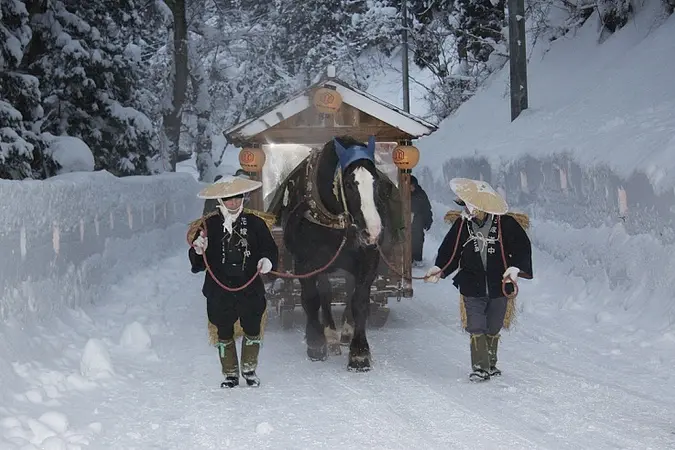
column 517, row 58
column 404, row 61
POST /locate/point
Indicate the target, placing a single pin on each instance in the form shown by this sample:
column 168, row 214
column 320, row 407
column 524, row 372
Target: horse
column 337, row 205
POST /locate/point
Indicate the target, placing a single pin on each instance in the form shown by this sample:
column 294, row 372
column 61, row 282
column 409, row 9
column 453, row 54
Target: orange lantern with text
column 327, row 101
column 252, row 159
column 406, row 157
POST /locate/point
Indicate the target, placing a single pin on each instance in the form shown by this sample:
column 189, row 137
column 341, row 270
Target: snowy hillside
column 610, row 103
column 592, row 161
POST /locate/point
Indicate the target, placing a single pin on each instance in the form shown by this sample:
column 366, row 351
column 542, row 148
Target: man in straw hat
column 236, row 246
column 489, row 250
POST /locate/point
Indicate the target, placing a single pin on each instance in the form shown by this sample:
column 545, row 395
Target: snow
column 569, row 381
column 13, row 47
column 377, row 108
column 131, row 368
column 133, row 52
column 283, row 111
column 71, row 153
column 9, row 113
column 388, row 85
column 135, row 337
column 103, row 339
column 590, row 162
column 361, row 100
column 59, row 234
column 588, row 101
column 164, row 10
column 280, row 160
column 95, row 362
column 132, row 116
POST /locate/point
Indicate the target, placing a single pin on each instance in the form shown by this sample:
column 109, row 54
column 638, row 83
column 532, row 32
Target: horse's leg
column 316, row 341
column 359, row 350
column 329, row 329
column 347, row 322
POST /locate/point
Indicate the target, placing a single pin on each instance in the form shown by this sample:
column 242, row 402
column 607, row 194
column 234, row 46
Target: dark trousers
column 417, row 237
column 225, row 309
column 485, row 315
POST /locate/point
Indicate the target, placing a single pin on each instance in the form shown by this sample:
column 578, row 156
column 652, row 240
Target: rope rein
column 204, row 233
column 288, row 275
column 454, row 252
column 405, row 277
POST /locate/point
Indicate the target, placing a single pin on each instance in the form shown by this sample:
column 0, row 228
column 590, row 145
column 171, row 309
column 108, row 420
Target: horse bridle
column 317, row 212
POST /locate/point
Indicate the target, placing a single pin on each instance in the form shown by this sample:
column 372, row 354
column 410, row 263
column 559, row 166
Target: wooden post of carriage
column 309, row 119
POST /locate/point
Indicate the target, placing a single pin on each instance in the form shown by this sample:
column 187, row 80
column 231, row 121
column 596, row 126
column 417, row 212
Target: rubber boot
column 493, row 346
column 250, row 348
column 227, row 351
column 480, row 358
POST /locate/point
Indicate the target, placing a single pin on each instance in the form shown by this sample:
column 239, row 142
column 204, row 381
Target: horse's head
column 359, row 178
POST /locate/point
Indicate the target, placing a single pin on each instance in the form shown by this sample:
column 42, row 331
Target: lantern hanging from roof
column 327, row 101
column 406, row 156
column 252, row 159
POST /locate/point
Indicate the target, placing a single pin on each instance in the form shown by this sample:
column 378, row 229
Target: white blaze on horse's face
column 366, row 187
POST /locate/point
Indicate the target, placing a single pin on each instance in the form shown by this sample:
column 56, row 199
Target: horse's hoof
column 334, row 349
column 359, row 363
column 317, row 354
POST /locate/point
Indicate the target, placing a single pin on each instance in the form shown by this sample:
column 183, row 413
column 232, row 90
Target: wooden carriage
column 279, row 139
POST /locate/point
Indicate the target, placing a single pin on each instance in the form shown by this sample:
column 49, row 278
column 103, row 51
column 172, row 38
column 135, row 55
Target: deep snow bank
column 592, row 161
column 604, row 104
column 66, row 237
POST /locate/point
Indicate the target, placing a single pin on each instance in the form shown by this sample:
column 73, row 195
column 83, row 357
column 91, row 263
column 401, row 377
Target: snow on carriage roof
column 296, row 103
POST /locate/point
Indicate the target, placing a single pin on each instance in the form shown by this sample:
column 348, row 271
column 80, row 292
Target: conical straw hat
column 229, row 187
column 480, row 195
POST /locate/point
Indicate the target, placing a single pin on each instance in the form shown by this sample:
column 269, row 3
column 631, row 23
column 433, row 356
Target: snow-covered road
column 571, row 381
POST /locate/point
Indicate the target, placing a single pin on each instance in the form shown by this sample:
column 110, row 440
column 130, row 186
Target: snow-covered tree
column 22, row 150
column 614, row 13
column 88, row 59
column 478, row 28
column 460, row 42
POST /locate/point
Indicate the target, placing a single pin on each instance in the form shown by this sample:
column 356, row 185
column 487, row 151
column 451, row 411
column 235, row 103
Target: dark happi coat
column 472, row 279
column 234, row 261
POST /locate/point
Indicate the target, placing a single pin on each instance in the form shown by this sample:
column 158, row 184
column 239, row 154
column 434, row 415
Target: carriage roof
column 294, row 120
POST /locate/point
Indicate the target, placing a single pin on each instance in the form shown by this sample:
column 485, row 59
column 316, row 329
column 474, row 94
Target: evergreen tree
column 90, row 66
column 479, row 28
column 22, row 150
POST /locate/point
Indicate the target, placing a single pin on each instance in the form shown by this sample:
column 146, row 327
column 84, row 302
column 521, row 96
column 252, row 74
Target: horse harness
column 317, row 212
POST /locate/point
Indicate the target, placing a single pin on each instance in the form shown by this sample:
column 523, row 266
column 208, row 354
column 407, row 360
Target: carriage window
column 280, row 160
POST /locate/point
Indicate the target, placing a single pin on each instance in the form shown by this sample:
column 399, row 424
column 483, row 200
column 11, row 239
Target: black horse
column 339, row 196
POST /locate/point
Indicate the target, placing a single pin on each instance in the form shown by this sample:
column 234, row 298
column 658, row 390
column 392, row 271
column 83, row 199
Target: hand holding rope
column 505, row 281
column 204, row 233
